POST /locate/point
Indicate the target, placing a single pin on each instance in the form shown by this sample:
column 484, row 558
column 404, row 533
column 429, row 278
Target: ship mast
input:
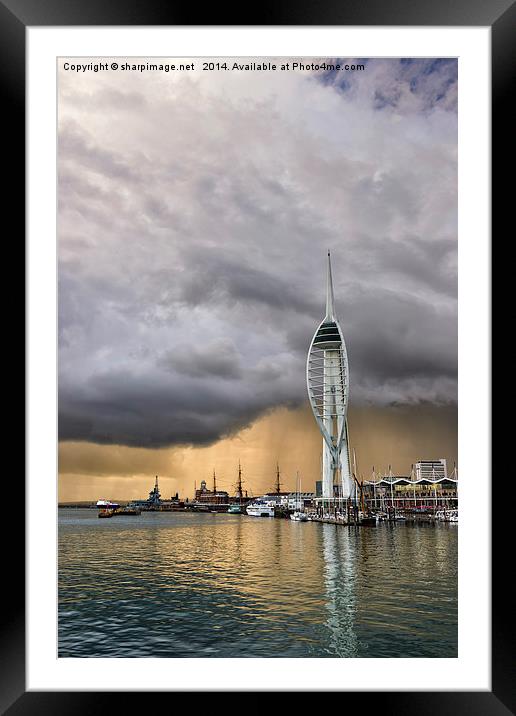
column 392, row 495
column 214, row 483
column 278, row 485
column 239, row 484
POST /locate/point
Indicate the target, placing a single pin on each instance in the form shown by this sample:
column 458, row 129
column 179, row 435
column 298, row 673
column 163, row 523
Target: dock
column 364, row 522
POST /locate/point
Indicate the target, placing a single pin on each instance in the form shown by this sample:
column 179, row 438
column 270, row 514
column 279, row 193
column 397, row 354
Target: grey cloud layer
column 194, row 217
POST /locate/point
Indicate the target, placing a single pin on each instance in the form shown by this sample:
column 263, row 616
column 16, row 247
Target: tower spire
column 330, row 310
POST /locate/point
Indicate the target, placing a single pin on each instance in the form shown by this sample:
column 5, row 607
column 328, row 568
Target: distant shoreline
column 82, row 505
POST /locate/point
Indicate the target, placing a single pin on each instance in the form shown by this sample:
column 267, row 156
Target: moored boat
column 299, row 516
column 129, row 510
column 107, row 505
column 259, row 508
column 447, row 516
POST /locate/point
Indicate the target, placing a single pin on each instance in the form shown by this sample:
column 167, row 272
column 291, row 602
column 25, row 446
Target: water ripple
column 190, row 585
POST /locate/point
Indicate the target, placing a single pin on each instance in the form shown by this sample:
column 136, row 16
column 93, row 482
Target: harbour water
column 206, row 585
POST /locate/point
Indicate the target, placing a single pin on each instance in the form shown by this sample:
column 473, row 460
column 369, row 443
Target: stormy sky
column 195, row 211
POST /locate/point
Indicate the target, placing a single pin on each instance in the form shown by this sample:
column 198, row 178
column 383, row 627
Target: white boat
column 299, row 516
column 259, row 508
column 447, row 516
column 107, row 505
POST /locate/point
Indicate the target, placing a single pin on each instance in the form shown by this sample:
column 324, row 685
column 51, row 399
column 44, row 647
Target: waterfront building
column 219, row 500
column 220, row 497
column 421, row 494
column 327, row 380
column 300, row 500
column 290, row 500
column 431, row 469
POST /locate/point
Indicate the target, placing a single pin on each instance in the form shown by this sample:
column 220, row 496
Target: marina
column 388, row 498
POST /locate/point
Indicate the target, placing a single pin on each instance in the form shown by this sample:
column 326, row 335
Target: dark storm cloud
column 398, row 337
column 218, row 358
column 192, row 249
column 154, row 411
column 233, row 280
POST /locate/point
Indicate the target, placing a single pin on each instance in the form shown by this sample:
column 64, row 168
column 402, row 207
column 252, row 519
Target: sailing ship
column 236, row 509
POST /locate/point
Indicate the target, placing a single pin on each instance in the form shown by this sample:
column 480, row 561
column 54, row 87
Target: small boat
column 299, row 516
column 129, row 510
column 235, row 510
column 447, row 516
column 106, row 513
column 259, row 508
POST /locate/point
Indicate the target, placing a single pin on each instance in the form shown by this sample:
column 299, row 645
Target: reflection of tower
column 340, row 559
column 327, row 379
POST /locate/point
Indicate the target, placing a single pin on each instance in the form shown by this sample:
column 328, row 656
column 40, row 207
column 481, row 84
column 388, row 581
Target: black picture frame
column 15, row 17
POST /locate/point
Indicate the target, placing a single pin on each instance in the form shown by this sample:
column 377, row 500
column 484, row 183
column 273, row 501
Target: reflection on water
column 340, row 578
column 194, row 585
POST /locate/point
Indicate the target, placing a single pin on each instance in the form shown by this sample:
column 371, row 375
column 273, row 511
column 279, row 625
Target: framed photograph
column 258, row 263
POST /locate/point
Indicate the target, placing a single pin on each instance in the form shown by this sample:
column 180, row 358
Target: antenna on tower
column 330, row 311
